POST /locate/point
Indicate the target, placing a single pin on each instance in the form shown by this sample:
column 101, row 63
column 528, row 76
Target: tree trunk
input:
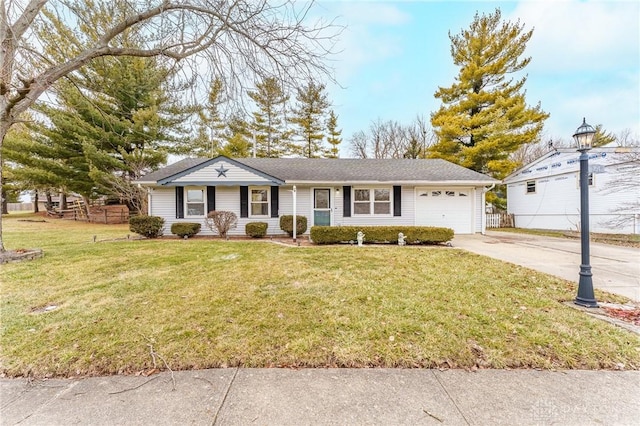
column 5, row 123
column 63, row 201
column 5, row 202
column 36, row 208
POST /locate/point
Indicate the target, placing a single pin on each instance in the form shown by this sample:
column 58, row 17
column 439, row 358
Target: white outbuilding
column 545, row 194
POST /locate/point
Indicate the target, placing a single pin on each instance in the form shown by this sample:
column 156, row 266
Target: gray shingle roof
column 343, row 170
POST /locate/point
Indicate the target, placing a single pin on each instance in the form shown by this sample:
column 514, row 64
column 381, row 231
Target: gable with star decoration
column 221, row 171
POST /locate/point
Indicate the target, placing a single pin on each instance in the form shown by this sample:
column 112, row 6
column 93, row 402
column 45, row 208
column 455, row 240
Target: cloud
column 576, row 35
column 585, row 60
column 369, row 37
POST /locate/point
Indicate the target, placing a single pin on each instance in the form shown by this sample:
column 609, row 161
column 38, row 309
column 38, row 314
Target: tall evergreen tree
column 239, row 138
column 309, row 115
column 333, row 134
column 115, row 122
column 602, row 137
column 269, row 124
column 210, row 132
column 484, row 116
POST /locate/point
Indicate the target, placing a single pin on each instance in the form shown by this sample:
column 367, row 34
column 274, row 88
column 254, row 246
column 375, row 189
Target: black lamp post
column 584, row 137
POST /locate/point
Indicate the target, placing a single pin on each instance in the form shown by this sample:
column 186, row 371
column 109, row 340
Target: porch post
column 295, row 225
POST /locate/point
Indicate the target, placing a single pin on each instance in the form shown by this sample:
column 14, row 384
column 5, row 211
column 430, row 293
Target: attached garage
column 445, row 206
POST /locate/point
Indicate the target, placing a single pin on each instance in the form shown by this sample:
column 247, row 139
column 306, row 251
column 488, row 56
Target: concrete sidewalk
column 615, row 269
column 329, row 396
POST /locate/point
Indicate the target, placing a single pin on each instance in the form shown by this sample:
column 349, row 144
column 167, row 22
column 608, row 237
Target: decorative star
column 222, row 171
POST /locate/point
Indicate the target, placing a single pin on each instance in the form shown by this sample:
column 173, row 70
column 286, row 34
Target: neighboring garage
column 447, row 207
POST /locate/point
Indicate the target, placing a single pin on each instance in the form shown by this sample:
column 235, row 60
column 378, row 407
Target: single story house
column 329, row 192
column 545, row 194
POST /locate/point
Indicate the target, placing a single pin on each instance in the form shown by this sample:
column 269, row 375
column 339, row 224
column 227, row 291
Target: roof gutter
column 485, row 190
column 392, row 182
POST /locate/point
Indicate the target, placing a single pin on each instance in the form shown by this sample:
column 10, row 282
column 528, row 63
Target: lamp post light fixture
column 583, row 137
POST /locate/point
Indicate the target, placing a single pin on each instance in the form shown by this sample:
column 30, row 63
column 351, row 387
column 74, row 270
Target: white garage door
column 447, row 207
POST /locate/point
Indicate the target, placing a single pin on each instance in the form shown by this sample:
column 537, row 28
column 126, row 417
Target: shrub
column 256, row 229
column 220, row 222
column 286, row 224
column 185, row 229
column 380, row 234
column 147, row 226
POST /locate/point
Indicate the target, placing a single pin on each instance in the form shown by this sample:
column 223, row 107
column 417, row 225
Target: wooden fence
column 109, row 214
column 500, row 220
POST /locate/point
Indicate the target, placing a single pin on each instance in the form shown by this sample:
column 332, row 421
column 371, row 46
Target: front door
column 322, row 207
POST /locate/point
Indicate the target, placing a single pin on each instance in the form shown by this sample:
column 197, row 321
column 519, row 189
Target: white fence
column 500, row 220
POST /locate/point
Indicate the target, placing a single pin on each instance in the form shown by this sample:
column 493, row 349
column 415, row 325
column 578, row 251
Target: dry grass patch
column 625, row 240
column 208, row 303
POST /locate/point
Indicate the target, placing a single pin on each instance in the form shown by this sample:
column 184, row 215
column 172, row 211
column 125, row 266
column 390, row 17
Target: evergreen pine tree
column 484, row 117
column 333, row 135
column 309, row 115
column 268, row 124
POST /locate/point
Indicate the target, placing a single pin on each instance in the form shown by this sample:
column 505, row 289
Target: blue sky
column 394, row 55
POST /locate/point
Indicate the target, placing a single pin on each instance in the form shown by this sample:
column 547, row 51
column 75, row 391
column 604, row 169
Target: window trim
column 591, row 178
column 372, row 201
column 526, row 187
column 267, row 202
column 186, row 201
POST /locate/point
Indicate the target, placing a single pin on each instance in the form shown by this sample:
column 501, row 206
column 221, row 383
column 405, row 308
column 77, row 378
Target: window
column 382, row 201
column 591, row 180
column 436, row 193
column 194, row 201
column 376, row 200
column 259, row 202
column 362, row 201
column 531, row 186
column 450, row 193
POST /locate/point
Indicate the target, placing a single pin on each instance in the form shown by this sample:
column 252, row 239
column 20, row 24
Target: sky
column 394, row 55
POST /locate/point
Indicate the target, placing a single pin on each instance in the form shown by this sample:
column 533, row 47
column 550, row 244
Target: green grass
column 203, row 303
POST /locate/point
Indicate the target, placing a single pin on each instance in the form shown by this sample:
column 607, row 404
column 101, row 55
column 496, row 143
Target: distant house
column 329, row 192
column 545, row 194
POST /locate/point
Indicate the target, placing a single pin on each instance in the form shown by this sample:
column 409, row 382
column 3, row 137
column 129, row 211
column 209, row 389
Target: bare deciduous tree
column 241, row 40
column 390, row 139
column 627, row 180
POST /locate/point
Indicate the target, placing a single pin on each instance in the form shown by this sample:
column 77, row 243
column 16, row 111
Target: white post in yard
column 295, row 225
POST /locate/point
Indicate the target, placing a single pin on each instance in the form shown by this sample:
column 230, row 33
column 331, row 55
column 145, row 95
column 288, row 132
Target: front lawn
column 116, row 306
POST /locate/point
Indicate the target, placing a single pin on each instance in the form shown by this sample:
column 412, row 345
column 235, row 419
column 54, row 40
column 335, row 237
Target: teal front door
column 322, row 207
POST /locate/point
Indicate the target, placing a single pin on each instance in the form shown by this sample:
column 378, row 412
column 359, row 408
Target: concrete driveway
column 615, row 269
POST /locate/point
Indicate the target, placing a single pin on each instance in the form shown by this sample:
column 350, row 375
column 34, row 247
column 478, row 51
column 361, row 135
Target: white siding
column 211, row 172
column 407, row 218
column 162, row 203
column 556, row 203
column 479, row 210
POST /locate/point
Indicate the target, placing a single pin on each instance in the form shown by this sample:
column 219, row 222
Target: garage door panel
column 445, row 207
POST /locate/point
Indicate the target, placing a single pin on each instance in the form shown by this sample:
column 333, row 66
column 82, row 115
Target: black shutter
column 179, row 202
column 397, row 201
column 346, row 201
column 211, row 199
column 244, row 201
column 274, row 200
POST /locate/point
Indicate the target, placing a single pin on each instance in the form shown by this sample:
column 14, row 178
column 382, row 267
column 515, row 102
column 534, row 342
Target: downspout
column 483, row 231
